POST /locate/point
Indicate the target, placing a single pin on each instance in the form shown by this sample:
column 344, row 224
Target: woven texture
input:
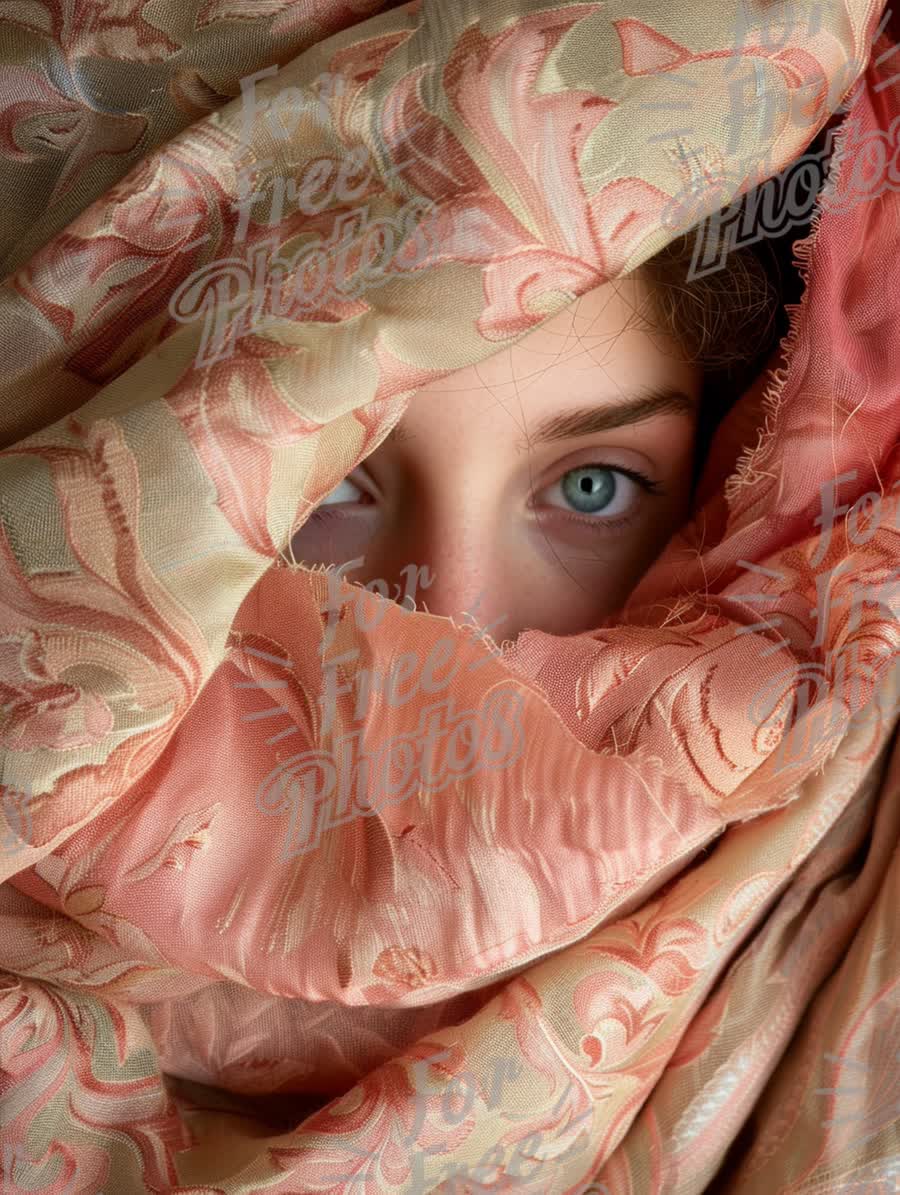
column 651, row 943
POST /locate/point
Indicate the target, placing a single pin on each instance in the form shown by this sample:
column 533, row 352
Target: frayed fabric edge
column 746, row 471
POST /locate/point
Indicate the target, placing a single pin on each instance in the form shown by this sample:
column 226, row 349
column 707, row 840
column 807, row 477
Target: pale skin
column 517, row 531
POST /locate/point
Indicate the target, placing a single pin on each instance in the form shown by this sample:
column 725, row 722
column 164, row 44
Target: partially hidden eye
column 343, row 492
column 599, row 490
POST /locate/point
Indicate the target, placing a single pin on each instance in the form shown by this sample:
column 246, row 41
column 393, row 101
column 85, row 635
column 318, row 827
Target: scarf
column 611, row 912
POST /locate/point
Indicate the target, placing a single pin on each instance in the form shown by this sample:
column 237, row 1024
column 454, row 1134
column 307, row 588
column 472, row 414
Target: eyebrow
column 585, row 421
column 639, row 406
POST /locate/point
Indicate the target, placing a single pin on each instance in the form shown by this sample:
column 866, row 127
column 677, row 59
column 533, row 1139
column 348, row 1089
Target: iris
column 589, row 489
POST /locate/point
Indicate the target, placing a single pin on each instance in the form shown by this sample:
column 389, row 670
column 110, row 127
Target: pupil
column 589, row 490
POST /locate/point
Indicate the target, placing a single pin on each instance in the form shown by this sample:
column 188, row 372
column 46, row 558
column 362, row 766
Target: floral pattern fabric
column 628, row 925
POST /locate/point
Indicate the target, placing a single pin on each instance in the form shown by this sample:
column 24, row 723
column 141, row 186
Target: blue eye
column 589, row 489
column 600, row 490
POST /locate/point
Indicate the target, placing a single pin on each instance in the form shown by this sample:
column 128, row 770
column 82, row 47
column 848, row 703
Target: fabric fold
column 626, row 916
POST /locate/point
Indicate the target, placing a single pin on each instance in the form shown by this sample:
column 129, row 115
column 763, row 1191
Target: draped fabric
column 614, row 911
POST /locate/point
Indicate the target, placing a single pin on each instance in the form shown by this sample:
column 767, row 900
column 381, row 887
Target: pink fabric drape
column 628, row 915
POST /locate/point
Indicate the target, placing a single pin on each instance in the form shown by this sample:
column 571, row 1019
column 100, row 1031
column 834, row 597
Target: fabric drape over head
column 617, row 908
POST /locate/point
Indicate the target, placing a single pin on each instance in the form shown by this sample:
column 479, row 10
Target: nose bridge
column 465, row 568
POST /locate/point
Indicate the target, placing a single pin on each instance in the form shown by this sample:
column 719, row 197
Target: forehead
column 601, row 330
column 592, row 331
column 597, row 350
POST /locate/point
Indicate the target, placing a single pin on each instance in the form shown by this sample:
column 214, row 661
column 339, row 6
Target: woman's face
column 537, row 486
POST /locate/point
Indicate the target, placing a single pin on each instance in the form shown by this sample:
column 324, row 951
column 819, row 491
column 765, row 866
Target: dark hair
column 726, row 321
column 730, row 320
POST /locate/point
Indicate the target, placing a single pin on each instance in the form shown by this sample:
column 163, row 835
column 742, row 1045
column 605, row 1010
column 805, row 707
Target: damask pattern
column 651, row 943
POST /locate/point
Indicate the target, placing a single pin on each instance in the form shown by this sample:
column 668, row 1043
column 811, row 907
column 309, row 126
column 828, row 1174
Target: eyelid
column 613, row 454
column 638, row 479
column 348, row 480
column 330, row 499
column 598, row 516
column 635, row 476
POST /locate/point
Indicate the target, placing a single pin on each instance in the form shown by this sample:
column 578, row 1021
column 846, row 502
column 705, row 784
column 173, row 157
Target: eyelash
column 332, row 511
column 598, row 521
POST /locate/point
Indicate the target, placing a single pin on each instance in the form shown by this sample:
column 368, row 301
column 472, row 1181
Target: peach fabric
column 655, row 947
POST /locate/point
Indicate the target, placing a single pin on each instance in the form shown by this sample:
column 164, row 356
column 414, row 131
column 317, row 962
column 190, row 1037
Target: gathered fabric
column 305, row 889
